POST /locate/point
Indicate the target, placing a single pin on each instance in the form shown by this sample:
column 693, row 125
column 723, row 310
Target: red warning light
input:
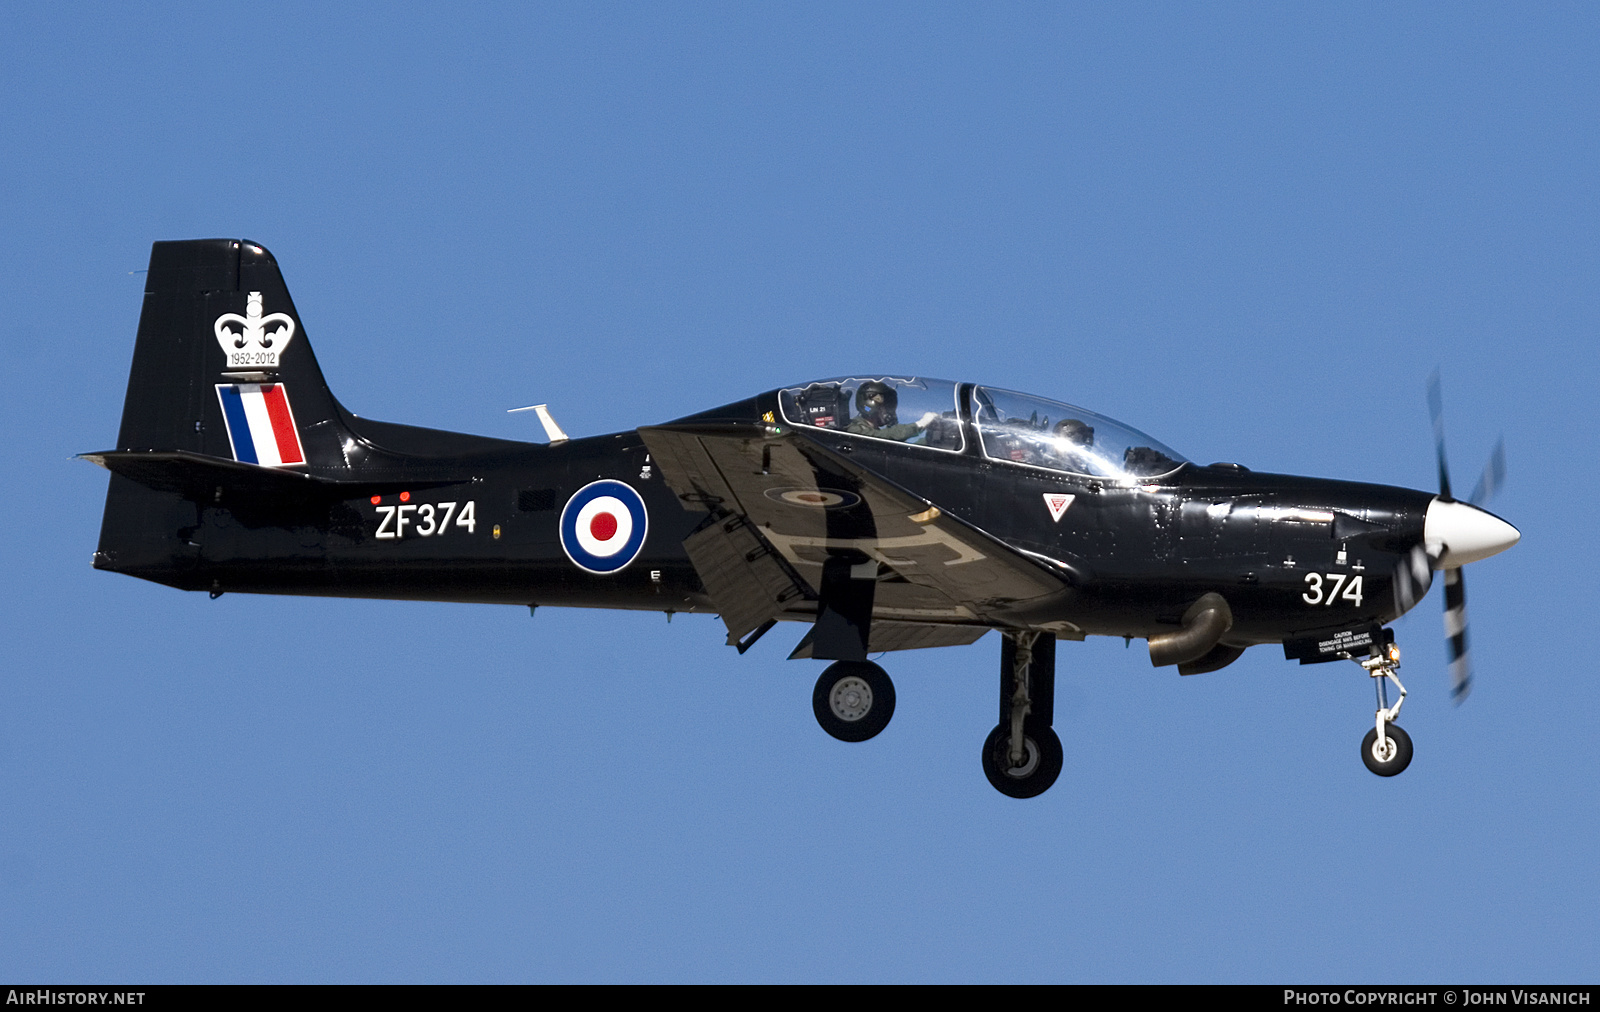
column 405, row 496
column 377, row 499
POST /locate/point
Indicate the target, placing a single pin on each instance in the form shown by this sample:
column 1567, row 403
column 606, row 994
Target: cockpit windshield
column 1015, row 427
column 921, row 412
column 1062, row 437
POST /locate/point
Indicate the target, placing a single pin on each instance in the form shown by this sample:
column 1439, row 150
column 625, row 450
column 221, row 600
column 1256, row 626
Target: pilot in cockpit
column 876, row 414
column 1074, row 445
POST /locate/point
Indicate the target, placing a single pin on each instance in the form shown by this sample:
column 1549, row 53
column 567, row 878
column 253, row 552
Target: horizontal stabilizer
column 196, row 475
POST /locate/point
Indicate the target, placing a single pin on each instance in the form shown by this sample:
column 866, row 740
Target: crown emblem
column 252, row 340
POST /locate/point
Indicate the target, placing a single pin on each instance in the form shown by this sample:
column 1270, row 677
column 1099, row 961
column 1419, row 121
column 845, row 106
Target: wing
column 802, row 501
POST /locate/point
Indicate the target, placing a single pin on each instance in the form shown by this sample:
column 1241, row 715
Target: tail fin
column 228, row 425
column 223, row 379
column 222, row 366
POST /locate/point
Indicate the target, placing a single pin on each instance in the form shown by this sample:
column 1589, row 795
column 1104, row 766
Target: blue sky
column 1250, row 230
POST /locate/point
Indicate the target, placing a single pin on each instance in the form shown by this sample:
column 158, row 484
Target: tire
column 1038, row 770
column 853, row 700
column 1400, row 751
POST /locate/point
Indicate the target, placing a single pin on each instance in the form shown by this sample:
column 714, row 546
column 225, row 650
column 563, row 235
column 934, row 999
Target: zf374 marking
column 430, row 519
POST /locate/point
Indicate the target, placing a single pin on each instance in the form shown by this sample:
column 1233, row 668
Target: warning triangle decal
column 1057, row 503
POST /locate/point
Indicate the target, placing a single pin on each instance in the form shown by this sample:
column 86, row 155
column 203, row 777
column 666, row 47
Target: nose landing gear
column 1386, row 749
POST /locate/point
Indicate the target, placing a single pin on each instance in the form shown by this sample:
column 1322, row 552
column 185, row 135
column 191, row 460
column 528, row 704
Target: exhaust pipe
column 1203, row 627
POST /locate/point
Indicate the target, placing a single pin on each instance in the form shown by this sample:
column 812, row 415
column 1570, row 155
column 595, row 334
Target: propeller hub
column 1457, row 533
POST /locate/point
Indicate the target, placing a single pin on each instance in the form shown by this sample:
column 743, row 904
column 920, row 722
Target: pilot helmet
column 1075, row 432
column 876, row 401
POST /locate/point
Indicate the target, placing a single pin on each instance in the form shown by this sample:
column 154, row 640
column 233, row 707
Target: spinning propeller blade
column 1436, row 409
column 1455, row 588
column 1455, row 631
column 1494, row 475
column 1455, row 584
column 1412, row 578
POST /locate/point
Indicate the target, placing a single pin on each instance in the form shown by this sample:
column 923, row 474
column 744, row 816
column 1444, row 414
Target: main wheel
column 1041, row 762
column 853, row 700
column 1388, row 761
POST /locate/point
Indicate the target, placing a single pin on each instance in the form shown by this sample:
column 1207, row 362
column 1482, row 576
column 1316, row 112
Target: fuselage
column 1290, row 553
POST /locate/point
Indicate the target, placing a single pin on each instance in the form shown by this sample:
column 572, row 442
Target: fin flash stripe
column 261, row 427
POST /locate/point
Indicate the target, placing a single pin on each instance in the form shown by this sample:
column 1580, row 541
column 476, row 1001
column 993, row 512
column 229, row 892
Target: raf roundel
column 603, row 526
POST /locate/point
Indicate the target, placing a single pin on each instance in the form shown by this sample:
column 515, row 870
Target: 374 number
column 1345, row 588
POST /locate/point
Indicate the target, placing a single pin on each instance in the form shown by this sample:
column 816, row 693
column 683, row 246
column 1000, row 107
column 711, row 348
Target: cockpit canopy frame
column 916, row 411
column 1011, row 427
column 1027, row 429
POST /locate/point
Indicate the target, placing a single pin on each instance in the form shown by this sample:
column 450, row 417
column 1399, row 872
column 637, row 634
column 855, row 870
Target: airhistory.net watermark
column 43, row 996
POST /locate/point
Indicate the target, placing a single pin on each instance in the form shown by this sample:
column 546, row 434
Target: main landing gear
column 1022, row 756
column 853, row 700
column 1387, row 748
column 1029, row 774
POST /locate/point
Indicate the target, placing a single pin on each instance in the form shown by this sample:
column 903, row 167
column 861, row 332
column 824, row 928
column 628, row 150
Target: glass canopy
column 1064, row 437
column 912, row 410
column 1014, row 427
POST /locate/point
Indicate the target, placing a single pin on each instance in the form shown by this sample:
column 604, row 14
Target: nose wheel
column 1390, row 756
column 853, row 700
column 1386, row 750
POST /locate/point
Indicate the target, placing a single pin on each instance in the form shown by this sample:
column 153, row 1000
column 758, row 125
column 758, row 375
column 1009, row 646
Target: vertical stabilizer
column 222, row 365
column 221, row 368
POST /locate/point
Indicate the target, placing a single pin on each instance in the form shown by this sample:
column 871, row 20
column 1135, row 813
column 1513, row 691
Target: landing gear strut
column 853, row 700
column 1022, row 756
column 1387, row 748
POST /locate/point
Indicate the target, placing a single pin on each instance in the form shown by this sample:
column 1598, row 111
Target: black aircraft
column 883, row 512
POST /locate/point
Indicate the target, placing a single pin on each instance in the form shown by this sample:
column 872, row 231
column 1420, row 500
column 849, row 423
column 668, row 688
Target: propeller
column 1494, row 475
column 1455, row 585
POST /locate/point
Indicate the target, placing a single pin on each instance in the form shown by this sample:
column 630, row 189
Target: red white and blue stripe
column 603, row 526
column 260, row 425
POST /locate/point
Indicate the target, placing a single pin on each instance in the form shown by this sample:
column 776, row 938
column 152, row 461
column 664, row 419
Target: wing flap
column 745, row 577
column 889, row 636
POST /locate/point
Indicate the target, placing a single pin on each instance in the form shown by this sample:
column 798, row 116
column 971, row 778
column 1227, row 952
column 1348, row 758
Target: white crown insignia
column 253, row 340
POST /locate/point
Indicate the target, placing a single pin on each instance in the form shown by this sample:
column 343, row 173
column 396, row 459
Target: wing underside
column 780, row 504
